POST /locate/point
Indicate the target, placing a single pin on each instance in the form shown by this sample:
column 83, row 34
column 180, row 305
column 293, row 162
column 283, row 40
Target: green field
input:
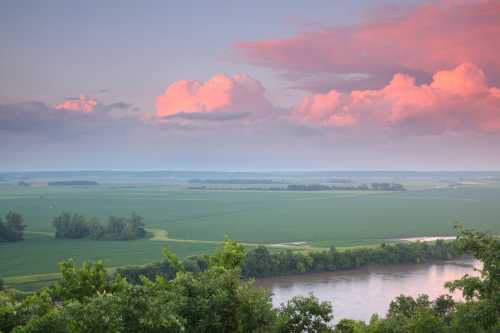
column 194, row 221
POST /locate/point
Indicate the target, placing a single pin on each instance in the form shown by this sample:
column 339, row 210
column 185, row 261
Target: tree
column 425, row 321
column 13, row 228
column 305, row 314
column 350, row 326
column 118, row 228
column 259, row 262
column 230, row 256
column 136, row 223
column 80, row 283
column 444, row 306
column 71, row 226
column 485, row 288
column 96, row 230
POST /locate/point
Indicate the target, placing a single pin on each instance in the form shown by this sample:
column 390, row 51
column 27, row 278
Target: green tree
column 71, row 226
column 305, row 314
column 350, row 326
column 425, row 321
column 12, row 230
column 79, row 283
column 230, row 256
column 136, row 224
column 96, row 230
column 485, row 288
column 444, row 306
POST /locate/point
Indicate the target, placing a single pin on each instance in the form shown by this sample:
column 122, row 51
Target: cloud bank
column 239, row 94
column 456, row 100
column 419, row 41
column 80, row 104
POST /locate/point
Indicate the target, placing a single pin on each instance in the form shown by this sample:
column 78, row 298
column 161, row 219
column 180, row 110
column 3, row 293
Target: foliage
column 89, row 300
column 484, row 289
column 12, row 229
column 133, row 274
column 350, row 326
column 362, row 187
column 79, row 283
column 230, row 256
column 71, row 226
column 259, row 262
column 215, row 299
column 118, row 228
column 305, row 314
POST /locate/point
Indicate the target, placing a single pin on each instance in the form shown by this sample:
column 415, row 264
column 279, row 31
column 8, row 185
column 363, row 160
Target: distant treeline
column 313, row 187
column 74, row 226
column 362, row 187
column 12, row 230
column 235, row 181
column 260, row 262
column 73, row 183
column 233, row 188
column 340, row 181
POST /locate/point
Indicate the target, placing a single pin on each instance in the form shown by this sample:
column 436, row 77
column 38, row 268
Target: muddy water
column 357, row 294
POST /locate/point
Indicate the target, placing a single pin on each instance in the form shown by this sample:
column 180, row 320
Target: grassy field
column 195, row 221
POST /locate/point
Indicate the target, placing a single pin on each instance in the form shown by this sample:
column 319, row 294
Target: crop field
column 195, row 221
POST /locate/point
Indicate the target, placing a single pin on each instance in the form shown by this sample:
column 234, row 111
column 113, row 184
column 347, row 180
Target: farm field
column 195, row 221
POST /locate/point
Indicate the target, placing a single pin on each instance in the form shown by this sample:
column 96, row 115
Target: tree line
column 260, row 262
column 309, row 187
column 88, row 299
column 73, row 183
column 12, row 230
column 361, row 187
column 74, row 226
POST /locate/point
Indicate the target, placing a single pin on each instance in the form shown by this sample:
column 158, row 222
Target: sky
column 218, row 85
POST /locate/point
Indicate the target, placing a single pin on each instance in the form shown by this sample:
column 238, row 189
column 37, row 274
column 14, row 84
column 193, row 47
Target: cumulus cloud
column 456, row 100
column 238, row 94
column 40, row 120
column 80, row 104
column 419, row 40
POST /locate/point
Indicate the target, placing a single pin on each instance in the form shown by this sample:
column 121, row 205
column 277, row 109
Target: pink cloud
column 421, row 41
column 456, row 100
column 82, row 104
column 221, row 93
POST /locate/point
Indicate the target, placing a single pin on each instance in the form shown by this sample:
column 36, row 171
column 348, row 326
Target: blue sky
column 54, row 49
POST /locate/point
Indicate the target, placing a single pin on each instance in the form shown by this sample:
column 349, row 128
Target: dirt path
column 162, row 235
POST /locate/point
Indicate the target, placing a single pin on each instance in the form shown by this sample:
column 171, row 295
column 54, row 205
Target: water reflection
column 357, row 294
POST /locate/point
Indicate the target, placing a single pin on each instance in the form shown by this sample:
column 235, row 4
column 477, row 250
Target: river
column 357, row 294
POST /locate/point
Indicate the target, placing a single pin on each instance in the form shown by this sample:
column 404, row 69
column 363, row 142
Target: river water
column 357, row 294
